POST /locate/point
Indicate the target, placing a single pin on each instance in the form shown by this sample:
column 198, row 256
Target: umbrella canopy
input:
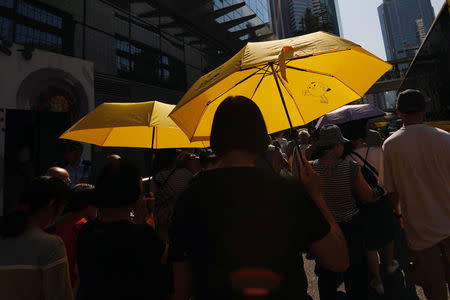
column 140, row 125
column 349, row 113
column 310, row 75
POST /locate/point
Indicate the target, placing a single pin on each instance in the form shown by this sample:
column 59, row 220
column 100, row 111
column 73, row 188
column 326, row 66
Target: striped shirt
column 337, row 189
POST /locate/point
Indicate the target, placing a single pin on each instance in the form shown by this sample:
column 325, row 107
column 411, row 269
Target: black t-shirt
column 119, row 260
column 231, row 218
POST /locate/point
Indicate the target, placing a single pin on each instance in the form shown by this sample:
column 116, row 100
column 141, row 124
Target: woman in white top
column 378, row 216
column 33, row 263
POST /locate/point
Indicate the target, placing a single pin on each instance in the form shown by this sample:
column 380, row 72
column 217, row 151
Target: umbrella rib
column 292, row 97
column 238, row 83
column 310, row 71
column 302, row 57
column 325, row 74
column 259, row 83
column 107, row 136
column 209, row 102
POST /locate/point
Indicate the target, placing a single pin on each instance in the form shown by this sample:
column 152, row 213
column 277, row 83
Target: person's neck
column 412, row 122
column 237, row 159
column 115, row 214
column 359, row 143
column 330, row 159
column 37, row 222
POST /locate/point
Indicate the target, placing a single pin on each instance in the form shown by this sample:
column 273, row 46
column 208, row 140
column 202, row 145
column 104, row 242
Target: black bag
column 368, row 171
column 165, row 199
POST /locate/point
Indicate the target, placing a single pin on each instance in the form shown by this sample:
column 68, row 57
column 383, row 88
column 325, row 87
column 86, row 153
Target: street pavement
column 395, row 292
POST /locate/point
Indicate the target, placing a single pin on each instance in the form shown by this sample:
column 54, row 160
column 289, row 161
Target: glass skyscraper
column 404, row 24
column 297, row 10
column 328, row 13
column 259, row 8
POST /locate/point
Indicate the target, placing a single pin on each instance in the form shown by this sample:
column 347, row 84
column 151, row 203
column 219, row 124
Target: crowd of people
column 237, row 220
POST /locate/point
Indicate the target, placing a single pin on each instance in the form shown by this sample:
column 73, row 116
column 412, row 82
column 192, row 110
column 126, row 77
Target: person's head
column 292, row 135
column 208, row 160
column 82, row 200
column 59, row 173
column 304, row 137
column 411, row 106
column 118, row 185
column 331, row 142
column 354, row 130
column 43, row 201
column 276, row 144
column 166, row 158
column 74, row 150
column 113, row 157
column 238, row 126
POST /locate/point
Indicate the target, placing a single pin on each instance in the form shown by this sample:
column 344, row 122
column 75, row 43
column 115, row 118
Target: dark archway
column 53, row 90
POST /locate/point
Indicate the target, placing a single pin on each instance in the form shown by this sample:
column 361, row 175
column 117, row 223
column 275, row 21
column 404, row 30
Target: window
column 164, row 74
column 38, row 14
column 164, row 60
column 34, row 25
column 126, row 47
column 7, row 3
column 33, row 36
column 124, row 64
column 5, row 29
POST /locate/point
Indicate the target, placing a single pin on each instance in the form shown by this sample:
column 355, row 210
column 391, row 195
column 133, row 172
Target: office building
column 297, row 9
column 404, row 24
column 329, row 15
column 64, row 57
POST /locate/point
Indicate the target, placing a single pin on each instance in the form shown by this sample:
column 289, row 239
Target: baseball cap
column 411, row 101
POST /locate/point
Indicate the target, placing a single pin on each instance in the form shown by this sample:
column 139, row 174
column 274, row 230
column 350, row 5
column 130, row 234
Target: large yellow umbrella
column 141, row 125
column 310, row 75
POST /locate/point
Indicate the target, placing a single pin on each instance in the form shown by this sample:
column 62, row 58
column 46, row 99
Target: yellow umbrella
column 140, row 125
column 312, row 74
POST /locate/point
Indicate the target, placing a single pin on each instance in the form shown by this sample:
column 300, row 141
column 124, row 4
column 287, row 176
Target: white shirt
column 416, row 165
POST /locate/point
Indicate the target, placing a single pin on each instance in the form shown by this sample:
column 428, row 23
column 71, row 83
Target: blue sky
column 361, row 24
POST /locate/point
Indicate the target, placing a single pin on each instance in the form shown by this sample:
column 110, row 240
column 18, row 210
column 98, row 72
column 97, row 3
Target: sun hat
column 330, row 135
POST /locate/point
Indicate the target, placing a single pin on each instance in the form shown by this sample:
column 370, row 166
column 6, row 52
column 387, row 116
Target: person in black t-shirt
column 239, row 230
column 118, row 259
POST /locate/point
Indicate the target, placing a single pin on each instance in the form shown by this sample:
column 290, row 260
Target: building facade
column 329, row 15
column 404, row 24
column 297, row 9
column 64, row 57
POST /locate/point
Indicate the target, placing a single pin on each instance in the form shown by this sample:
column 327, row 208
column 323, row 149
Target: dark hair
column 38, row 195
column 355, row 129
column 238, row 125
column 81, row 196
column 118, row 184
column 411, row 101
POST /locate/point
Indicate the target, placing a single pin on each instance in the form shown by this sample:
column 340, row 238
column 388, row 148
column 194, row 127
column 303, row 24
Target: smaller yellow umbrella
column 139, row 125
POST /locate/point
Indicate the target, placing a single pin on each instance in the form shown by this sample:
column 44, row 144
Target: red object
column 68, row 230
column 24, row 207
column 287, row 49
column 255, row 281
